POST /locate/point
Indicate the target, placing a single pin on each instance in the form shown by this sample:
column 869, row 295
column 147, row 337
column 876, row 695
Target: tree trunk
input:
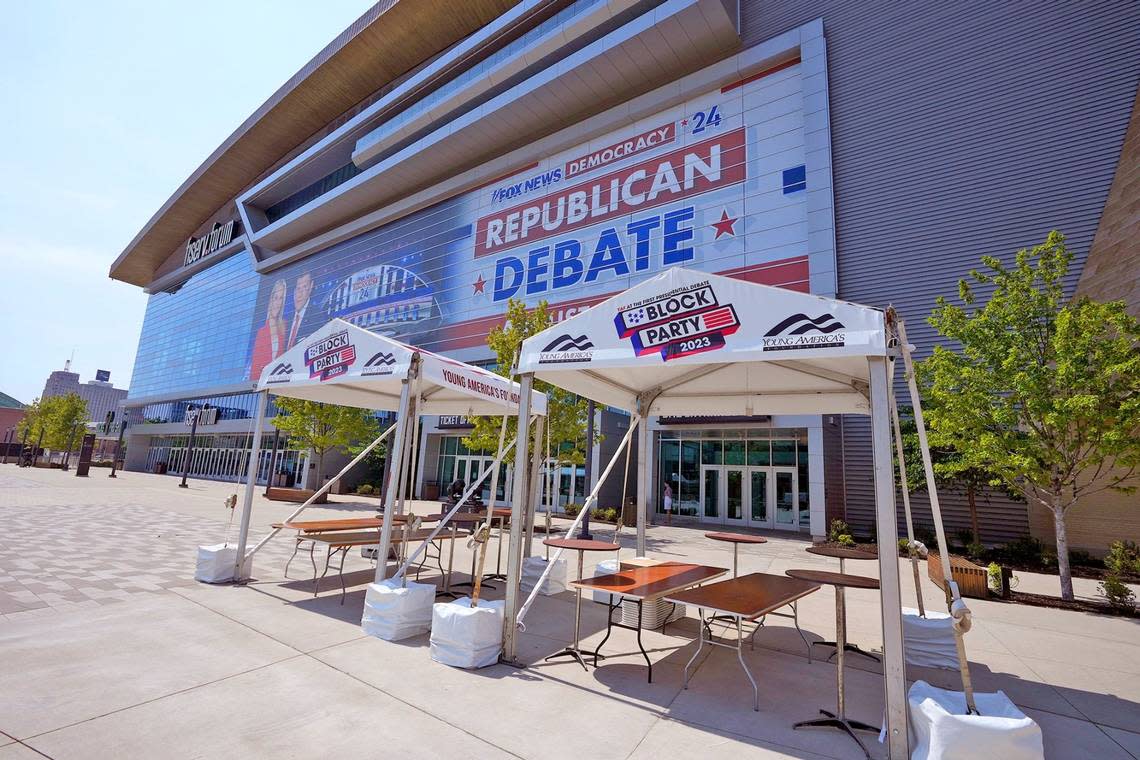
column 320, row 470
column 972, row 500
column 1062, row 548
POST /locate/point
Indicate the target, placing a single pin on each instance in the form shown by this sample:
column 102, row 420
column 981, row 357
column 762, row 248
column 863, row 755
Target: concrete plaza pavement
column 108, row 648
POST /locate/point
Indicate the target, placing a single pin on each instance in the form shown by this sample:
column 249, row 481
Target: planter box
column 295, row 495
column 971, row 579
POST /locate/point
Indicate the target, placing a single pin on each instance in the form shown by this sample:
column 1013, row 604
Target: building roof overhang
column 388, row 40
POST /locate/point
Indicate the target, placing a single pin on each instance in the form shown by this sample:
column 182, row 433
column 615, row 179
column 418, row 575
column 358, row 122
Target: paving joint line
column 160, row 697
column 374, row 687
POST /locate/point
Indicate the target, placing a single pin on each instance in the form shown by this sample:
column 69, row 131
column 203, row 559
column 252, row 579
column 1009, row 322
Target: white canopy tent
column 346, row 365
column 689, row 343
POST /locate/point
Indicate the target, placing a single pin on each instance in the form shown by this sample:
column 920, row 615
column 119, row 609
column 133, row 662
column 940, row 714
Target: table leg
column 450, row 565
column 700, row 647
column 296, row 548
column 649, row 662
column 740, row 656
column 575, row 650
column 839, row 719
column 498, row 574
column 340, row 572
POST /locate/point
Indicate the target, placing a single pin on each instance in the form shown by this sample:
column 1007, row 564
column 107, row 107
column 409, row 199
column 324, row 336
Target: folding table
column 744, row 598
column 840, row 581
column 644, row 584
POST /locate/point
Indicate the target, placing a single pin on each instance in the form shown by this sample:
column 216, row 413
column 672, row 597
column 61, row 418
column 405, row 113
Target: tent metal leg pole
column 642, row 481
column 392, row 492
column 535, row 489
column 519, row 494
column 894, row 408
column 886, row 522
column 323, row 489
column 250, row 485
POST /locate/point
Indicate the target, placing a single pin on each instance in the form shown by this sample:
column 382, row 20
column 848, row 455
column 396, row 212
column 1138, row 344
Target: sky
column 105, row 109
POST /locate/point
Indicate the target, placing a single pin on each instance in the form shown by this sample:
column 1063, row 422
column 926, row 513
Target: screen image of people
column 270, row 341
column 302, row 323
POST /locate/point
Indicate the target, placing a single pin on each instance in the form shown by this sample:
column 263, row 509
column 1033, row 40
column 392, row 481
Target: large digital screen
column 717, row 183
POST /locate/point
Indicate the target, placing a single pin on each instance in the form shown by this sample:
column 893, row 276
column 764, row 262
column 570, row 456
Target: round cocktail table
column 581, row 546
column 736, row 539
column 841, row 582
column 843, row 553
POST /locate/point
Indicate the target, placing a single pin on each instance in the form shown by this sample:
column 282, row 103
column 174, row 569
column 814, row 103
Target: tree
column 64, row 418
column 566, row 413
column 324, row 427
column 952, row 471
column 1041, row 391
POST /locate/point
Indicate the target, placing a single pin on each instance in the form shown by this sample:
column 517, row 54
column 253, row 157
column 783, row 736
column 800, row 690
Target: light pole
column 36, row 451
column 192, row 421
column 272, row 460
column 584, row 531
column 70, row 442
column 23, row 444
column 119, row 445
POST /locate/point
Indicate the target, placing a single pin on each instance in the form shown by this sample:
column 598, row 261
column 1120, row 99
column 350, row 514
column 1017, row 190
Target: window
column 795, row 179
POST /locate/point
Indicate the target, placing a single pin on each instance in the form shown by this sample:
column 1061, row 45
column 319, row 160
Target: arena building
column 438, row 159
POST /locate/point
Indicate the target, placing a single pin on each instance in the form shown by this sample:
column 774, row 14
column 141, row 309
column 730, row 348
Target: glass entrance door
column 786, row 498
column 756, row 497
column 760, row 515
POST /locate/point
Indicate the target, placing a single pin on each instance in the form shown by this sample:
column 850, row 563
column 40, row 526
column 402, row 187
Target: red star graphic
column 478, row 285
column 684, row 122
column 724, row 226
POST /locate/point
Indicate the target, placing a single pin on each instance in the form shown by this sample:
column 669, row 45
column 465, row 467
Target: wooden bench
column 341, row 542
column 971, row 578
column 295, row 495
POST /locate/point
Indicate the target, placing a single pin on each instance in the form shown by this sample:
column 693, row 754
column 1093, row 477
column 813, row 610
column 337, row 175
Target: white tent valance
column 689, row 342
column 346, row 365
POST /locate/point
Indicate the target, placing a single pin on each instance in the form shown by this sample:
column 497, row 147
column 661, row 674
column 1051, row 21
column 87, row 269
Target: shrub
column 1123, row 558
column 1119, row 596
column 572, row 510
column 838, row 528
column 975, row 549
column 904, row 546
column 1081, row 557
column 926, row 535
column 845, row 539
column 993, row 573
column 965, row 537
column 1024, row 551
column 364, row 489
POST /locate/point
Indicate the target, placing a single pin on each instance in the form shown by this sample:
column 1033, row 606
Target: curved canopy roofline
column 388, row 40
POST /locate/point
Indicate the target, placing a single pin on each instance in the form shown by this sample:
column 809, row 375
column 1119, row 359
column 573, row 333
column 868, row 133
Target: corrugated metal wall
column 959, row 131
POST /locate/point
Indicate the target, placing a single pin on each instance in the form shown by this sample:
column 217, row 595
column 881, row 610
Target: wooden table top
column 841, row 552
column 372, row 537
column 328, row 526
column 498, row 511
column 582, row 544
column 650, row 582
column 748, row 596
column 460, row 518
column 834, row 579
column 737, row 538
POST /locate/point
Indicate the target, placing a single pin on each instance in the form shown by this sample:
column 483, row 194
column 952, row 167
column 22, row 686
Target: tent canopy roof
column 346, row 365
column 691, row 343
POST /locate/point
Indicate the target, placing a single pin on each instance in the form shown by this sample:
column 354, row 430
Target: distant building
column 11, row 412
column 101, row 396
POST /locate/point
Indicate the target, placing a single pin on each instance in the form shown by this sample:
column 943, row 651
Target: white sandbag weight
column 216, row 564
column 393, row 611
column 941, row 729
column 557, row 580
column 929, row 641
column 467, row 637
